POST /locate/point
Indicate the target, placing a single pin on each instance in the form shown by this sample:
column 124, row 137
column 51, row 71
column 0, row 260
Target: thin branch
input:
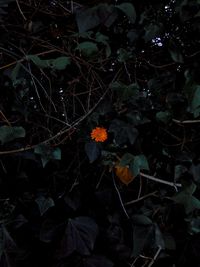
column 186, row 121
column 140, row 188
column 3, row 117
column 20, row 10
column 36, row 89
column 3, row 167
column 155, row 256
column 175, row 185
column 101, row 177
column 120, row 199
column 56, row 119
column 66, row 9
column 160, row 66
column 141, row 198
column 72, row 6
column 127, row 72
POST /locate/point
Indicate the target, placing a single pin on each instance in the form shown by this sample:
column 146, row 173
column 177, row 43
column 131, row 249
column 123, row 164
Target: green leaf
column 47, row 153
column 92, row 17
column 185, row 198
column 189, row 188
column 123, row 132
column 195, row 171
column 126, row 159
column 175, row 53
column 88, row 49
column 103, row 39
column 141, row 219
column 136, row 118
column 151, row 31
column 192, row 204
column 140, row 163
column 44, row 203
column 125, row 92
column 176, row 56
column 84, row 35
column 8, row 133
column 195, row 103
column 129, row 10
column 92, row 149
column 163, row 116
column 39, row 62
column 135, row 163
column 123, row 55
column 194, row 226
column 80, row 236
column 179, row 171
column 159, row 239
column 60, row 63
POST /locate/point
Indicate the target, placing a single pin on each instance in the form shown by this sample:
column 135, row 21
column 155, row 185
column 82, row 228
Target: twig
column 120, row 199
column 3, row 117
column 72, row 6
column 56, row 119
column 168, row 64
column 140, row 188
column 3, row 167
column 155, row 256
column 50, row 87
column 89, row 94
column 101, row 177
column 159, row 180
column 66, row 9
column 17, row 2
column 141, row 198
column 160, row 66
column 184, row 139
column 186, row 121
column 35, row 86
column 127, row 72
column 171, row 134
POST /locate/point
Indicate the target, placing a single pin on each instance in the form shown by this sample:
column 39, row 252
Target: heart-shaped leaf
column 8, row 133
column 80, row 236
column 88, row 49
column 47, row 153
column 124, row 174
column 129, row 10
column 92, row 149
column 44, row 203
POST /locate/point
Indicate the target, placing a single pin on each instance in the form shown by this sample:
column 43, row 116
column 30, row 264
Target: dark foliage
column 99, row 133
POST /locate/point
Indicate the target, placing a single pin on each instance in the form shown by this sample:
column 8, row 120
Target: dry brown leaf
column 124, row 174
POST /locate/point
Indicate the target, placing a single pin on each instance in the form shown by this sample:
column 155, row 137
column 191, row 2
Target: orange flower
column 99, row 134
